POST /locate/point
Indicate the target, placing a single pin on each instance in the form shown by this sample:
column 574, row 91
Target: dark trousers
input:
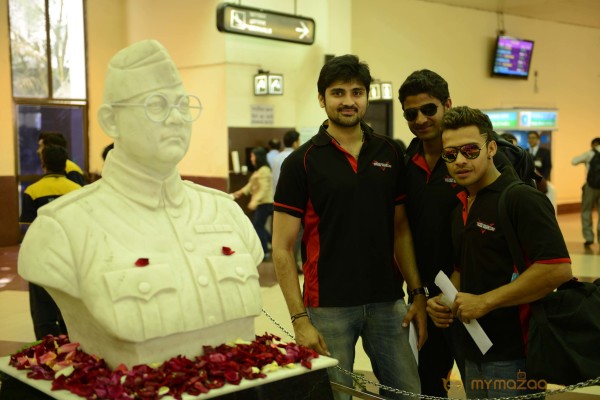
column 47, row 319
column 259, row 221
column 436, row 360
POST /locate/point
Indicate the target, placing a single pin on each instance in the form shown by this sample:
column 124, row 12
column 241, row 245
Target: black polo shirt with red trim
column 347, row 210
column 485, row 263
column 430, row 199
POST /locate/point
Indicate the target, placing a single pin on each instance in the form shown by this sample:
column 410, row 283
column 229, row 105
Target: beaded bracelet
column 299, row 315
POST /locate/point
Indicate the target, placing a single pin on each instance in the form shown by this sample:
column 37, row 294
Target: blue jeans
column 499, row 379
column 384, row 340
column 259, row 221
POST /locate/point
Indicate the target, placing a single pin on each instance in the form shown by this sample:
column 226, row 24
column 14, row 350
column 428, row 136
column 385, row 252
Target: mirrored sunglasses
column 470, row 151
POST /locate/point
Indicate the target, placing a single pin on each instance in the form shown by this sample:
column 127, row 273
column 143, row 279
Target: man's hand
column 469, row 306
column 307, row 335
column 417, row 313
column 440, row 314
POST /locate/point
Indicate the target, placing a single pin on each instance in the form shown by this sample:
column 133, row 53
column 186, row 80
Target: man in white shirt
column 274, row 146
column 291, row 141
column 590, row 196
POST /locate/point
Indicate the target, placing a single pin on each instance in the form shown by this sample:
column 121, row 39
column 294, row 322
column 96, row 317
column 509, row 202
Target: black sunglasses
column 429, row 110
column 470, row 151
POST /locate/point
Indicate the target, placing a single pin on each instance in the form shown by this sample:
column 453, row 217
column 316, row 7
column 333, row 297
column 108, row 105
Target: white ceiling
column 574, row 12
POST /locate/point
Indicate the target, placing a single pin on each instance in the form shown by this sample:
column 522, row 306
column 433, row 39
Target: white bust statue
column 145, row 266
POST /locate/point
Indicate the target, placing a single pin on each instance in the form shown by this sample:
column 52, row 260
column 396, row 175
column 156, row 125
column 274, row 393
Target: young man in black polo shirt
column 490, row 287
column 431, row 197
column 347, row 186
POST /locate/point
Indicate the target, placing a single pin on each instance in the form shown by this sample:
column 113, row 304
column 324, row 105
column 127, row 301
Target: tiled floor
column 16, row 328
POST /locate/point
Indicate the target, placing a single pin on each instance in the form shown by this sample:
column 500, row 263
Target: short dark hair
column 260, row 153
column 510, row 137
column 274, row 144
column 53, row 138
column 596, row 141
column 537, row 135
column 424, row 81
column 346, row 68
column 290, row 137
column 54, row 158
column 463, row 116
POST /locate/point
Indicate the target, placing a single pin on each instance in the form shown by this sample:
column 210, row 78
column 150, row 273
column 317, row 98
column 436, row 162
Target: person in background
column 541, row 155
column 47, row 319
column 490, row 289
column 291, row 141
column 509, row 137
column 542, row 184
column 73, row 171
column 431, row 196
column 274, row 149
column 260, row 189
column 590, row 196
column 346, row 186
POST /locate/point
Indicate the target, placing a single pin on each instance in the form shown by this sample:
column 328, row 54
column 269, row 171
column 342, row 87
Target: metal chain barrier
column 363, row 380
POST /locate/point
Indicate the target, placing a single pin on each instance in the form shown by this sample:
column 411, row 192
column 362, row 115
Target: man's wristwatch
column 420, row 290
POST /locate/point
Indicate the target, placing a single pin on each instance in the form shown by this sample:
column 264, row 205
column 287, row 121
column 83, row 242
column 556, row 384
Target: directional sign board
column 243, row 20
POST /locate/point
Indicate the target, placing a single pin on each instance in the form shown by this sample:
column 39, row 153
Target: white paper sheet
column 475, row 330
column 413, row 340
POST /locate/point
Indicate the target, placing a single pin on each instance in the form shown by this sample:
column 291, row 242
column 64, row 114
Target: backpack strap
column 508, row 229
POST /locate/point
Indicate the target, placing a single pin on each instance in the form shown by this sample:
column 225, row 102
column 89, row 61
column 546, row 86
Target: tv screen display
column 512, row 57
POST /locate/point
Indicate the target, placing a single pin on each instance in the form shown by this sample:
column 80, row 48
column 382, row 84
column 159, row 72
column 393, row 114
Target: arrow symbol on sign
column 303, row 30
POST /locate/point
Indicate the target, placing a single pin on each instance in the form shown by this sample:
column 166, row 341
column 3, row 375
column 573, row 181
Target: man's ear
column 448, row 104
column 107, row 120
column 321, row 100
column 492, row 147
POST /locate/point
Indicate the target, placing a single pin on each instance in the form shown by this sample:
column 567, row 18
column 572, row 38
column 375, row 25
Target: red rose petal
column 221, row 365
column 142, row 262
column 227, row 250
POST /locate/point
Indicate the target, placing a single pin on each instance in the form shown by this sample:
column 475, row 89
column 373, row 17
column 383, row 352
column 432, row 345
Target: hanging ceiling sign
column 274, row 25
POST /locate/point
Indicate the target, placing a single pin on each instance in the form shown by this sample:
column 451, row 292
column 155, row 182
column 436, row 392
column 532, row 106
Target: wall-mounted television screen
column 512, row 57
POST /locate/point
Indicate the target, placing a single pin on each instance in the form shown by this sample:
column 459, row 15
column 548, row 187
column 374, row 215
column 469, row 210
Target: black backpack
column 564, row 326
column 593, row 175
column 520, row 159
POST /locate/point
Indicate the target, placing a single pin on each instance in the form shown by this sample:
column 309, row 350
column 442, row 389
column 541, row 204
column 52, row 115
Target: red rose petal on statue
column 227, row 251
column 142, row 262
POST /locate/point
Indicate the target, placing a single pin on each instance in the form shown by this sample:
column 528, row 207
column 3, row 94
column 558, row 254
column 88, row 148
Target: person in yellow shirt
column 72, row 170
column 46, row 316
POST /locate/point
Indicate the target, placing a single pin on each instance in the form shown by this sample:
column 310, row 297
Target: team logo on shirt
column 450, row 180
column 486, row 227
column 382, row 165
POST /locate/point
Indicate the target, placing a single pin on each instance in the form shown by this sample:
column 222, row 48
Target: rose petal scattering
column 142, row 262
column 69, row 368
column 227, row 250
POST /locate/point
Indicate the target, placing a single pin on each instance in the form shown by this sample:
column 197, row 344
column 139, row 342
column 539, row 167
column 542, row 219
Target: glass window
column 28, row 48
column 32, row 23
column 67, row 49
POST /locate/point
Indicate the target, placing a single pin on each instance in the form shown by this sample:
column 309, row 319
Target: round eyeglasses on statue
column 158, row 108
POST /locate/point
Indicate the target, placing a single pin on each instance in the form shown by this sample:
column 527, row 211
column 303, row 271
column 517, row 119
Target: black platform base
column 312, row 385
